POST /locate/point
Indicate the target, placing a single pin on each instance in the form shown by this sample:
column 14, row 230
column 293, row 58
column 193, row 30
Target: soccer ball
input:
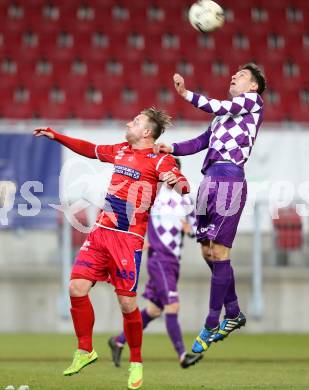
column 206, row 15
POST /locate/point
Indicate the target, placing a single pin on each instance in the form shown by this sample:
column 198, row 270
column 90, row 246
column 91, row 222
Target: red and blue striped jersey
column 134, row 185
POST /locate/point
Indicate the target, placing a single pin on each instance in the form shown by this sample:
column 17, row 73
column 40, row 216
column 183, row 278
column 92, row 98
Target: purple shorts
column 163, row 272
column 220, row 201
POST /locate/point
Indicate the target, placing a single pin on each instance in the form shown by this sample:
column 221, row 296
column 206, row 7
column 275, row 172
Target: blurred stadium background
column 84, row 68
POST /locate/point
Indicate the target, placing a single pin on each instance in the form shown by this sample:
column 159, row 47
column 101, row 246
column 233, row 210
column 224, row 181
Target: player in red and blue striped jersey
column 112, row 250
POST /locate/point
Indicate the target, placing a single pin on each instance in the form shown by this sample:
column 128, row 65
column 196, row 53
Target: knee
column 207, row 256
column 216, row 255
column 154, row 311
column 79, row 287
column 172, row 308
column 127, row 304
column 220, row 252
column 206, row 252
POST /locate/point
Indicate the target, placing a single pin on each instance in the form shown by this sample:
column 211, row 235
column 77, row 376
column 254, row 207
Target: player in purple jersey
column 172, row 216
column 223, row 191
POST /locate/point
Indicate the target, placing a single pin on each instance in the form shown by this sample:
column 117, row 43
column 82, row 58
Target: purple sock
column 174, row 332
column 145, row 318
column 220, row 280
column 231, row 302
column 232, row 309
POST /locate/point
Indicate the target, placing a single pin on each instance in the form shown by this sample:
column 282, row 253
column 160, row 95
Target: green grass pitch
column 240, row 362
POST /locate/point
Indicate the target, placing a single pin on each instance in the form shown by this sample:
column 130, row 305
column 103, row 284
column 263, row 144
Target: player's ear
column 254, row 86
column 148, row 133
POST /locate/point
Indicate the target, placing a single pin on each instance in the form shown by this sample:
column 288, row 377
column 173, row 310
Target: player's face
column 137, row 129
column 242, row 82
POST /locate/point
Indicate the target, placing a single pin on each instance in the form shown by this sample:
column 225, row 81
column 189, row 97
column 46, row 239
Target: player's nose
column 233, row 79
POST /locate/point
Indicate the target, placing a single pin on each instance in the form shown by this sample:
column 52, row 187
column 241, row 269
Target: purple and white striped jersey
column 232, row 132
column 165, row 226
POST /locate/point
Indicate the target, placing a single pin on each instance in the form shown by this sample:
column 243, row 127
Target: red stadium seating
column 125, row 111
column 202, row 51
column 288, row 229
column 93, row 112
column 7, row 80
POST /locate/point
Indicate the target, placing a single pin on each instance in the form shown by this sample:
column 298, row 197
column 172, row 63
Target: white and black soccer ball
column 206, row 15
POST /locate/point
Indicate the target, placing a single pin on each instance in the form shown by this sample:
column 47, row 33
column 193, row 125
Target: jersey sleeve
column 79, row 146
column 167, row 163
column 193, row 145
column 107, row 153
column 239, row 105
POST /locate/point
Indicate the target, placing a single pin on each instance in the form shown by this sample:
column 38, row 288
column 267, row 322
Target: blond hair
column 158, row 120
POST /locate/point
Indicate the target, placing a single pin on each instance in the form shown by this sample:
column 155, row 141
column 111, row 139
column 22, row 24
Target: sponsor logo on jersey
column 123, row 274
column 127, row 171
column 173, row 294
column 207, row 228
column 120, row 153
column 85, row 246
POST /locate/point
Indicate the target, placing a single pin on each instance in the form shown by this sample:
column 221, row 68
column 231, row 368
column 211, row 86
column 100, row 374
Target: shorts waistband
column 228, row 169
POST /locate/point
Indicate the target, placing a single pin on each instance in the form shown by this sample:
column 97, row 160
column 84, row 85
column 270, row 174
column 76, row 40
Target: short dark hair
column 257, row 74
column 158, row 119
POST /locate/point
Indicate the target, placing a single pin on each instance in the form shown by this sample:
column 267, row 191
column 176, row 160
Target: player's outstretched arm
column 84, row 148
column 185, row 148
column 243, row 104
column 193, row 145
column 239, row 105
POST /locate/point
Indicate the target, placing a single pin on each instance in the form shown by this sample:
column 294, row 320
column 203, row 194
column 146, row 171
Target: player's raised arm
column 239, row 105
column 104, row 153
column 242, row 102
column 81, row 147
